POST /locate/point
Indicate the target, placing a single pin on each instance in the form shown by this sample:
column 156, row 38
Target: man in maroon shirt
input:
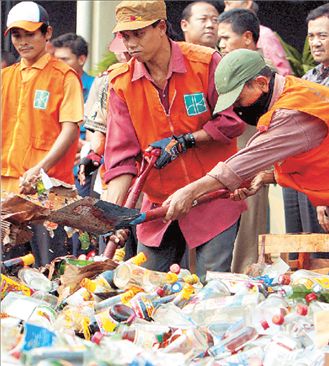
column 158, row 63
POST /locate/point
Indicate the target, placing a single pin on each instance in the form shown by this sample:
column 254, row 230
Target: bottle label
column 8, row 285
column 143, row 307
column 105, row 322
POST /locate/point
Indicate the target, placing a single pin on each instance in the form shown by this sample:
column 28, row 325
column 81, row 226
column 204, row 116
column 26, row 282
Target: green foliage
column 107, row 60
column 299, row 62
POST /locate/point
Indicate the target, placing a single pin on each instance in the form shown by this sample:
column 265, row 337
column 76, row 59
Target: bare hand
column 29, row 180
column 82, row 174
column 243, row 193
column 179, row 203
column 322, row 213
column 120, row 237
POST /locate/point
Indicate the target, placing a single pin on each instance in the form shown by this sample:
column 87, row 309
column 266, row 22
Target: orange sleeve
column 71, row 109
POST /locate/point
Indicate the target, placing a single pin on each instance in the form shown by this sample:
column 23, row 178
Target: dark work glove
column 91, row 162
column 171, row 147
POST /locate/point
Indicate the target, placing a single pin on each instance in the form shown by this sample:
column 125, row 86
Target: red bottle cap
column 97, row 337
column 160, row 291
column 264, row 324
column 91, row 254
column 302, row 309
column 311, row 297
column 278, row 319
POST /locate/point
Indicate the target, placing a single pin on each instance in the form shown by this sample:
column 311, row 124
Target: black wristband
column 189, row 139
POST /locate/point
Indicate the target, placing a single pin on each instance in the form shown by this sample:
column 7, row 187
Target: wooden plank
column 289, row 243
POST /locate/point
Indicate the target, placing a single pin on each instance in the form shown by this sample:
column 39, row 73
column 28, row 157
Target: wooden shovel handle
column 161, row 211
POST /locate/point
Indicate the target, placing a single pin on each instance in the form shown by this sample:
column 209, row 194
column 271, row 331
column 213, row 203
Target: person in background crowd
column 292, row 120
column 300, row 214
column 269, row 43
column 173, row 84
column 40, row 128
column 73, row 50
column 200, row 23
column 7, row 59
column 239, row 28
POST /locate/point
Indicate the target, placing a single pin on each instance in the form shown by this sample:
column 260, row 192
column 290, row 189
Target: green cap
column 231, row 74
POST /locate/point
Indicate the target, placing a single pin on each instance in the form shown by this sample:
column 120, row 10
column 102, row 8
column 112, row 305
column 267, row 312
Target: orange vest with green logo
column 307, row 172
column 30, row 120
column 188, row 112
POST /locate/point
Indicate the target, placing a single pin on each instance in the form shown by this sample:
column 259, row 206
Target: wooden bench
column 304, row 244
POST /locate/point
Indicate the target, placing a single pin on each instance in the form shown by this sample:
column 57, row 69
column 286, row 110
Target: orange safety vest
column 189, row 111
column 307, row 172
column 30, row 120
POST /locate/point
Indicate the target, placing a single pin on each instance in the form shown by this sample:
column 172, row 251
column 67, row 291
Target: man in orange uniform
column 42, row 105
column 164, row 97
column 292, row 122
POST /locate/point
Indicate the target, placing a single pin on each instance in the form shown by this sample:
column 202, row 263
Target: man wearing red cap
column 42, row 105
column 164, row 98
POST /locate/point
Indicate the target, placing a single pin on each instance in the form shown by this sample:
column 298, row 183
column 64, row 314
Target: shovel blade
column 91, row 215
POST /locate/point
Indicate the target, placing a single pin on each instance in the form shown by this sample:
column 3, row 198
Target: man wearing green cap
column 292, row 120
column 164, row 97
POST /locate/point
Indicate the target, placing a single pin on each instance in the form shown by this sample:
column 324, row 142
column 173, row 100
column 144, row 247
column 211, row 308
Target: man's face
column 30, row 45
column 202, row 26
column 143, row 44
column 66, row 55
column 318, row 36
column 251, row 92
column 228, row 39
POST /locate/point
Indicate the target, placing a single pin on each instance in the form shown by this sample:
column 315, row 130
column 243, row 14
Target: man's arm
column 290, row 133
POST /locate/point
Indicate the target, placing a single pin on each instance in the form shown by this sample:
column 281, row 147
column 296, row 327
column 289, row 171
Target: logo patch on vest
column 41, row 98
column 195, row 104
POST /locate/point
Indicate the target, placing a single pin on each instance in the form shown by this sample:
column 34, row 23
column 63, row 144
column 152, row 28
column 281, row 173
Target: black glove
column 171, row 147
column 91, row 162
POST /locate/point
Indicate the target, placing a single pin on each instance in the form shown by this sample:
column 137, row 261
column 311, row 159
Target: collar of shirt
column 176, row 64
column 321, row 70
column 279, row 83
column 40, row 64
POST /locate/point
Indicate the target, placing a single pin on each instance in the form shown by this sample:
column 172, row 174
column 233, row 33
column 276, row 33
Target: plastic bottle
column 127, row 275
column 234, row 342
column 309, row 279
column 124, row 298
column 184, row 296
column 214, row 288
column 108, row 320
column 46, row 297
column 34, row 279
column 12, row 266
column 269, row 314
column 103, row 283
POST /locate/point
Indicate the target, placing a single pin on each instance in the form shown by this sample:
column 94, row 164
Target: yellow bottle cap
column 88, row 284
column 171, row 277
column 139, row 259
column 28, row 259
column 119, row 255
column 191, row 279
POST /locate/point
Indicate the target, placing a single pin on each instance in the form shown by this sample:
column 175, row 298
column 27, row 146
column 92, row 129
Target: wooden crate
column 303, row 244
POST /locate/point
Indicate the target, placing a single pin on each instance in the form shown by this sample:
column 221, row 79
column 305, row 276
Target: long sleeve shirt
column 122, row 146
column 290, row 133
column 273, row 50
